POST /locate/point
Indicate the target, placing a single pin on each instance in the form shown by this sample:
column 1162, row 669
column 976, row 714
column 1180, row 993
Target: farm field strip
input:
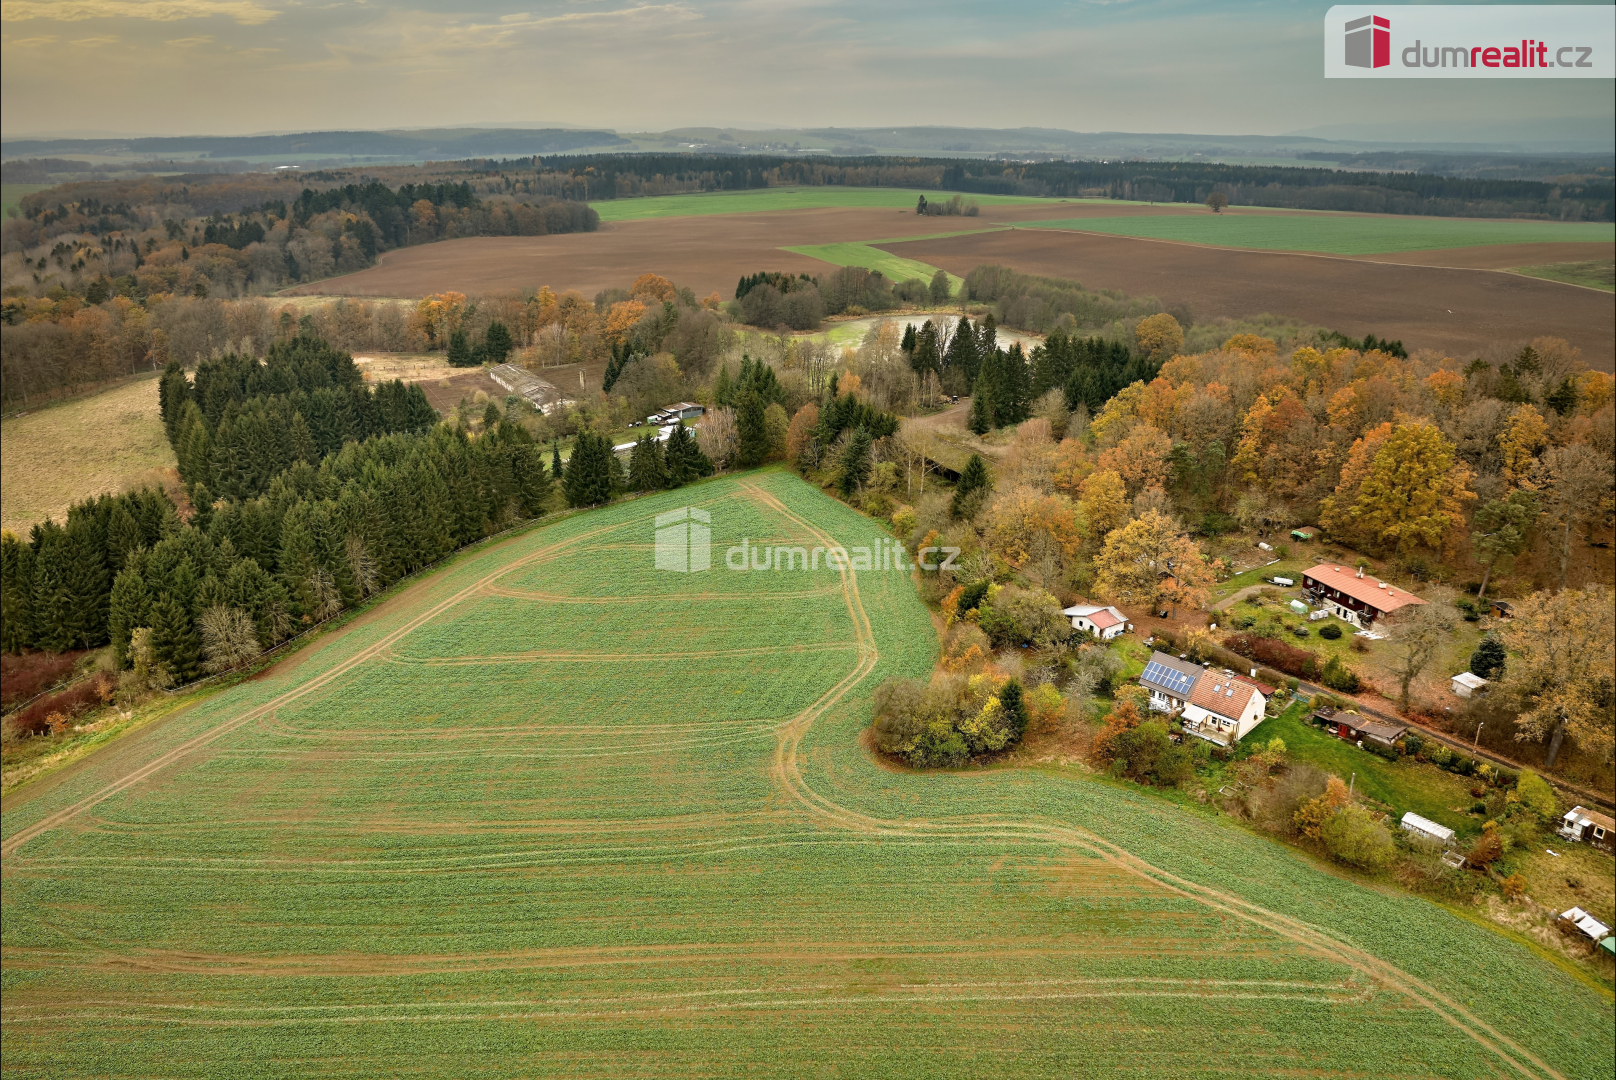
column 293, row 874
column 1332, row 234
column 758, row 200
column 865, row 253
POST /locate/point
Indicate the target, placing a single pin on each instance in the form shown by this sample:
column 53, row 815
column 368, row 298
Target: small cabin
column 1502, row 609
column 1579, row 921
column 1468, row 684
column 1583, row 826
column 1105, row 623
column 1353, row 728
column 1426, row 829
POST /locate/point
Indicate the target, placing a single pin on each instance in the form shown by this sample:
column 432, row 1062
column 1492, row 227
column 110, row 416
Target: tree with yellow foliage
column 652, row 287
column 437, row 316
column 1447, row 387
column 1159, row 336
column 1520, row 443
column 1414, row 489
column 620, row 319
column 1020, row 516
column 1561, row 648
column 1104, row 504
column 1151, row 562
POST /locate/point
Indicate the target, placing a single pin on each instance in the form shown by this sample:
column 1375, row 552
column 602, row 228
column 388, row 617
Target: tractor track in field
column 649, row 598
column 67, row 814
column 542, row 656
column 787, row 773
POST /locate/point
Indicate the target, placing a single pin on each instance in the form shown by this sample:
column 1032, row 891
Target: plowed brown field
column 1460, row 311
column 1429, row 299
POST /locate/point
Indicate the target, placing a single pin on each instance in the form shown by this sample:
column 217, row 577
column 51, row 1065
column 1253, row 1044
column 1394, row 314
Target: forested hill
column 442, row 144
column 606, row 176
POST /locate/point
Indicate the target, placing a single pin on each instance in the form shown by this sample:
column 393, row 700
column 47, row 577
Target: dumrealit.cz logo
column 1470, row 42
column 684, row 539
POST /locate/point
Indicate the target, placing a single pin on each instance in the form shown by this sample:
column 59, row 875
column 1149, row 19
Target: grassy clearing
column 772, row 199
column 1406, row 785
column 1333, row 234
column 865, row 253
column 552, row 811
column 1600, row 274
column 12, row 194
column 53, row 456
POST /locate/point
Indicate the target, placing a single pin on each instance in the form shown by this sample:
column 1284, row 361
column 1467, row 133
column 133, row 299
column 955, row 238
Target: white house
column 1104, row 623
column 1223, row 709
column 1169, row 681
column 1466, row 683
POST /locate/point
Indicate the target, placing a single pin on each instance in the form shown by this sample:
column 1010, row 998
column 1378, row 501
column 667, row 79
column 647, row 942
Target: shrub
column 1016, row 616
column 1337, row 676
column 1488, row 848
column 1353, row 836
column 1330, row 632
column 36, row 718
column 1275, row 654
column 1488, row 659
column 1534, row 794
column 947, row 721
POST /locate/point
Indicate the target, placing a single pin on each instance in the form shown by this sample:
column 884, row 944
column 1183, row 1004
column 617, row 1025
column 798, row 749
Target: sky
column 225, row 67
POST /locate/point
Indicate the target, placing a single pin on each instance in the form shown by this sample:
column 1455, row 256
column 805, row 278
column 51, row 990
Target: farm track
column 845, row 824
column 788, row 774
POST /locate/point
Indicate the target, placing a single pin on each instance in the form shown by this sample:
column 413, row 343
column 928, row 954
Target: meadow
column 553, row 812
column 864, row 253
column 1333, row 234
column 12, row 194
column 1592, row 275
column 55, row 455
column 759, row 200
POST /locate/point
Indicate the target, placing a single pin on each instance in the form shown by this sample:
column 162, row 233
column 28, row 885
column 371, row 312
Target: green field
column 553, row 812
column 1593, row 275
column 11, row 194
column 1333, row 234
column 757, row 200
column 865, row 253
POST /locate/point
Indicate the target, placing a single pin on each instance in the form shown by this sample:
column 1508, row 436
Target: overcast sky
column 242, row 66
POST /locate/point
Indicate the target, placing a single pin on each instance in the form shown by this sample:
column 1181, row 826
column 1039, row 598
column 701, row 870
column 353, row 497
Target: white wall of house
column 1081, row 622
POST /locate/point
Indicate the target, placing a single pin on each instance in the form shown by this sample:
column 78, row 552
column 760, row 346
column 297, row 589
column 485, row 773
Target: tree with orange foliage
column 1069, row 467
column 1104, row 503
column 1150, row 562
column 1020, row 515
column 1312, row 815
column 800, row 436
column 620, row 319
column 1253, row 345
column 437, row 316
column 653, row 287
column 1447, row 387
column 1123, row 717
column 1143, row 458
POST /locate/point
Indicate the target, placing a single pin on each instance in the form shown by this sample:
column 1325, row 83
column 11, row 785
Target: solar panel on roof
column 1176, row 681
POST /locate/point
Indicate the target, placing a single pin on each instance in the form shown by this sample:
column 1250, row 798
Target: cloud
column 245, row 12
column 30, row 42
column 189, row 42
column 93, row 42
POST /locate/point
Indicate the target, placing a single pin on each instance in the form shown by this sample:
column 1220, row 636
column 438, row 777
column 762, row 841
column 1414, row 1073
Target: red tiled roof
column 1364, row 589
column 1104, row 619
column 1211, row 692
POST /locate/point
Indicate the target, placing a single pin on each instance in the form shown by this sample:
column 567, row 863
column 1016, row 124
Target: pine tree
column 128, row 608
column 724, row 389
column 685, row 461
column 926, row 356
column 175, row 639
column 751, row 429
column 589, row 472
column 854, row 464
column 646, row 469
column 558, row 471
column 491, row 418
column 459, row 349
column 497, row 342
column 301, row 441
column 908, row 344
column 1489, row 658
column 1015, row 710
column 974, row 478
column 16, row 588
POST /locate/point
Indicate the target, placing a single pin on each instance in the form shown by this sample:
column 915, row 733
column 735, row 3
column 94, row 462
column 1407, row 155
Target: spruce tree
column 751, row 429
column 908, row 345
column 175, row 639
column 459, row 349
column 557, row 470
column 981, row 414
column 589, row 472
column 16, row 601
column 973, row 479
column 1015, row 710
column 854, row 464
column 491, row 418
column 1489, row 658
column 646, row 469
column 497, row 342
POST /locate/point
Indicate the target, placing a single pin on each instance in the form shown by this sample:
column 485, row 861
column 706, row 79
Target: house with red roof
column 1104, row 623
column 1353, row 596
column 1223, row 708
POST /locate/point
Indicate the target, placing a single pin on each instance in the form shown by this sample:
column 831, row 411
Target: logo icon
column 1369, row 42
column 684, row 540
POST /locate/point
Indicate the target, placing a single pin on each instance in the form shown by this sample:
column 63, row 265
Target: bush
column 1488, row 659
column 1353, row 836
column 1337, row 676
column 1275, row 654
column 1534, row 794
column 947, row 721
column 1330, row 632
column 1015, row 616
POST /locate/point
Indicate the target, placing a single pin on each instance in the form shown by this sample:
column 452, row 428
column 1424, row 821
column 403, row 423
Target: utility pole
column 1351, row 784
column 1477, row 743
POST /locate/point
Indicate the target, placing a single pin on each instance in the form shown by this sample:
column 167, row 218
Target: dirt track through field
column 788, row 774
column 1462, row 312
column 843, row 823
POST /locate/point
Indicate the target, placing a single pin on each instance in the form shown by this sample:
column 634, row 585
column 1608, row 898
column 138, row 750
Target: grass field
column 55, row 455
column 764, row 199
column 11, row 194
column 865, row 253
column 1333, row 234
column 1595, row 275
column 551, row 812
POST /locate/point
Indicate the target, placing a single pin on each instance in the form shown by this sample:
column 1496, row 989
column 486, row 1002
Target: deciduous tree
column 1150, row 562
column 1562, row 650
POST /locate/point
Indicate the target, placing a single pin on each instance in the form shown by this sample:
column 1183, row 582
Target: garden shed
column 1467, row 683
column 1426, row 829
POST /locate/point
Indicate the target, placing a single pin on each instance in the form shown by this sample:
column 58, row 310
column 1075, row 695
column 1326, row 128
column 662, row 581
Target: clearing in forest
column 554, row 811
